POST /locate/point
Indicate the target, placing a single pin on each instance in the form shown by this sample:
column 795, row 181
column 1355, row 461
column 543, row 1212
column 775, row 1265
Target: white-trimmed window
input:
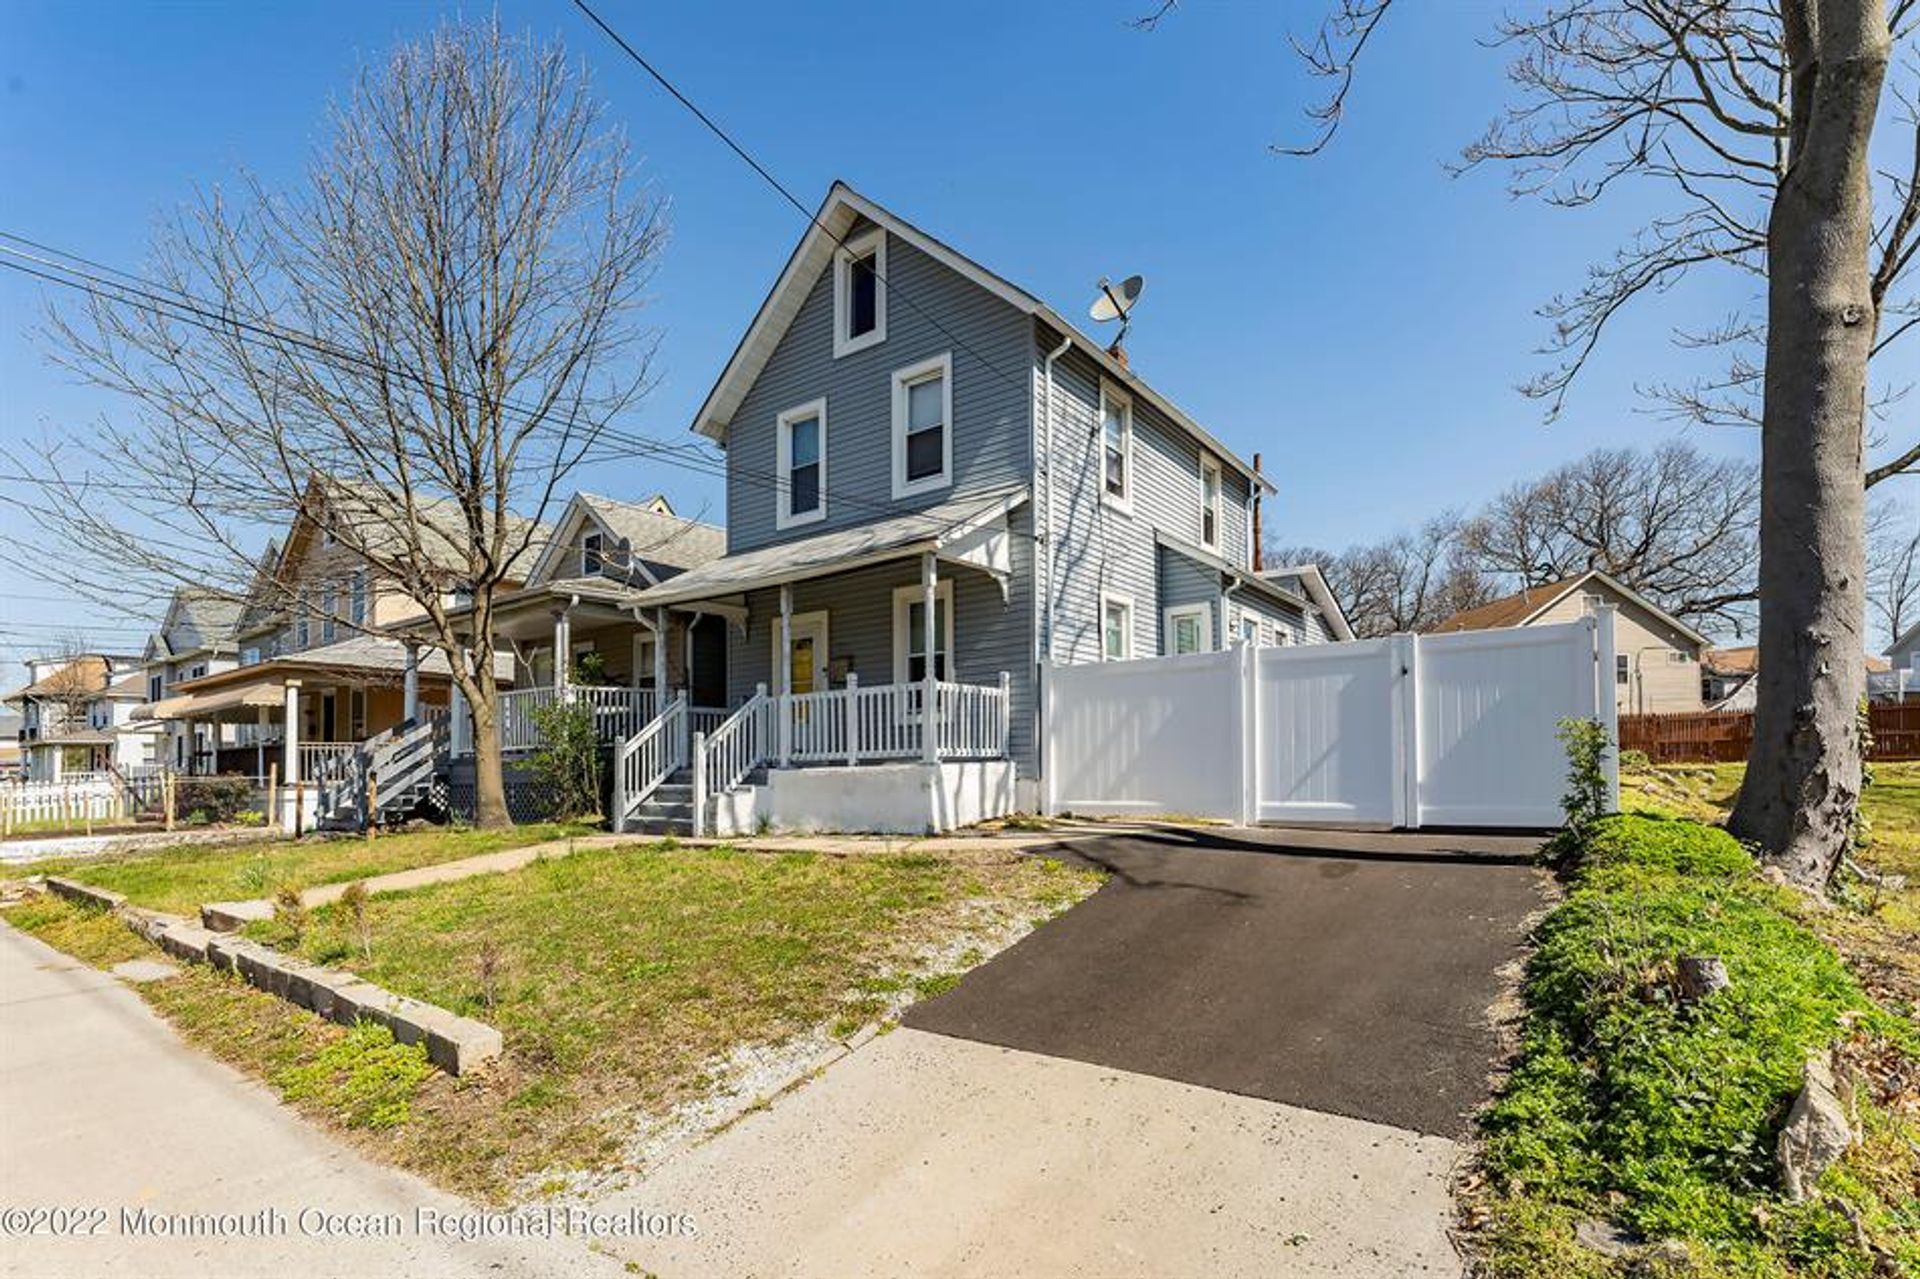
column 302, row 620
column 1116, row 627
column 1116, row 448
column 329, row 606
column 591, row 559
column 923, row 426
column 860, row 293
column 910, row 633
column 1189, row 629
column 357, row 606
column 250, row 655
column 1249, row 631
column 802, row 490
column 1210, row 512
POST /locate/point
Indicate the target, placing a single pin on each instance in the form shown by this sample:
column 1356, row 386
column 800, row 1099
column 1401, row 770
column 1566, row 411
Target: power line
column 225, row 321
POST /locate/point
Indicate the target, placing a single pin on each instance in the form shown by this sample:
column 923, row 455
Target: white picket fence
column 82, row 797
column 1408, row 731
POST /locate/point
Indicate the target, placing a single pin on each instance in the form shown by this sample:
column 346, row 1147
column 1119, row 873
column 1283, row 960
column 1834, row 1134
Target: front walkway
column 107, row 1109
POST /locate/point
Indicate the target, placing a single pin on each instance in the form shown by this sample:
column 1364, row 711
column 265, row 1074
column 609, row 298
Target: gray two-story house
column 935, row 487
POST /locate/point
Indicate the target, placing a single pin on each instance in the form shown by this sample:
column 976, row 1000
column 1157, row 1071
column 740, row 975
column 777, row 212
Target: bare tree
column 1674, row 524
column 414, row 350
column 1412, row 581
column 1893, row 569
column 1754, row 124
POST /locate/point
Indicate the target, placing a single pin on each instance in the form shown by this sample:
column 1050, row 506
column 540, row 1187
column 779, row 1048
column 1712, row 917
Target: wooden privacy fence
column 1722, row 737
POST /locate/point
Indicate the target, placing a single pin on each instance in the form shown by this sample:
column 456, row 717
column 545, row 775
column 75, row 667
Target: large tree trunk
column 489, row 773
column 1803, row 774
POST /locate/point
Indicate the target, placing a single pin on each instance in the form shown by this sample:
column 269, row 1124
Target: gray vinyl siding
column 1272, row 616
column 990, row 343
column 1184, row 580
column 989, row 635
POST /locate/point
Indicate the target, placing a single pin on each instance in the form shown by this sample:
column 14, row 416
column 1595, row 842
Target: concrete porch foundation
column 878, row 799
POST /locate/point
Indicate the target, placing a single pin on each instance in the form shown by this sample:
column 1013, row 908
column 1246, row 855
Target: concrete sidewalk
column 107, row 1110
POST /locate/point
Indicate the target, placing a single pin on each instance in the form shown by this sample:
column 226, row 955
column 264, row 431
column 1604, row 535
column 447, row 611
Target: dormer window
column 591, row 560
column 1209, row 503
column 859, row 293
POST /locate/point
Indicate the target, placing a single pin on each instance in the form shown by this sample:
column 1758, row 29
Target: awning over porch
column 247, row 697
column 971, row 531
column 238, row 695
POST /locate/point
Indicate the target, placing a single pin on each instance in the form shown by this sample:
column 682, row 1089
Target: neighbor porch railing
column 618, row 713
column 324, row 762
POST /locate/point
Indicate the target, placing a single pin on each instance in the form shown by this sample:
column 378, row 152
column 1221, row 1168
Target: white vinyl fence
column 1408, row 731
column 78, row 797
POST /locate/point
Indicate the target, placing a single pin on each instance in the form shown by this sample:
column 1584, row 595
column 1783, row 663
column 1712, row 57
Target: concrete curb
column 455, row 1044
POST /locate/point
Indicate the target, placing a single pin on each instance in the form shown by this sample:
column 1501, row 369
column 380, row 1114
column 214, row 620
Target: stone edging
column 455, row 1044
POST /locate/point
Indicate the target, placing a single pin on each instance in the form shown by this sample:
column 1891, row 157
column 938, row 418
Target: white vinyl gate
column 1408, row 731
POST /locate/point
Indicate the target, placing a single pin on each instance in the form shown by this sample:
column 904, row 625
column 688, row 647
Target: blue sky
column 1360, row 318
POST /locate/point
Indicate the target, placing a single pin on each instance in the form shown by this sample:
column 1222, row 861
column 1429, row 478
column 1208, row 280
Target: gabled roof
column 839, row 213
column 1315, row 584
column 214, row 619
column 1521, row 608
column 649, row 532
column 443, row 528
column 85, row 676
column 1745, row 660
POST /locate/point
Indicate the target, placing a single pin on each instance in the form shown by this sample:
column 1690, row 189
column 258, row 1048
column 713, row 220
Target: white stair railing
column 740, row 743
column 647, row 759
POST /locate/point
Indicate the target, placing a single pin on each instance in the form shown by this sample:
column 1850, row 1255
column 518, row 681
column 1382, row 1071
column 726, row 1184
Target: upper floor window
column 329, row 604
column 1622, row 669
column 802, row 487
column 1209, row 503
column 156, row 686
column 302, row 622
column 1116, row 448
column 250, row 655
column 358, row 596
column 196, row 670
column 859, row 293
column 922, row 421
column 591, row 561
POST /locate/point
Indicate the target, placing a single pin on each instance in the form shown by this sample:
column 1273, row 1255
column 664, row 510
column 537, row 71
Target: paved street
column 106, row 1109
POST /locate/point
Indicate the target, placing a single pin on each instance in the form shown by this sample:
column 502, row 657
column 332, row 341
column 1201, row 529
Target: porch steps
column 668, row 811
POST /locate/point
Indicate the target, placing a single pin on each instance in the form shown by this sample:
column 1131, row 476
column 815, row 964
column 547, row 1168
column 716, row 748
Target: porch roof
column 961, row 531
column 362, row 659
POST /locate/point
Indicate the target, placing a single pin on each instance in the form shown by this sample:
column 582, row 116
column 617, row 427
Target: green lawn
column 622, row 978
column 181, row 878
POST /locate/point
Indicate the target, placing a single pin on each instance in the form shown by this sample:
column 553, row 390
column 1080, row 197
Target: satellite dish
column 1116, row 301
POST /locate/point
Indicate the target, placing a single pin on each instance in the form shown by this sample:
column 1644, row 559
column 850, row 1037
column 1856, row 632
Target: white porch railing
column 618, row 713
column 322, row 762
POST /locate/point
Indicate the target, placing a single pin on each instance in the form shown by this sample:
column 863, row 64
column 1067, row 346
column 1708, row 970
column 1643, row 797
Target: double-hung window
column 591, row 559
column 1209, row 503
column 357, row 607
column 910, row 633
column 860, row 294
column 802, row 487
column 302, row 620
column 1116, row 448
column 923, row 427
column 1116, row 628
column 329, row 605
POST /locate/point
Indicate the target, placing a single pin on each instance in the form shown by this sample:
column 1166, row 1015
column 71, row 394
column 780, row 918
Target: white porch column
column 660, row 618
column 410, row 696
column 290, row 739
column 929, row 694
column 562, row 651
column 783, row 677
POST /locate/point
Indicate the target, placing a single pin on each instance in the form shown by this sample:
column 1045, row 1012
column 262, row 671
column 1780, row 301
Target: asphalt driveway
column 1350, row 975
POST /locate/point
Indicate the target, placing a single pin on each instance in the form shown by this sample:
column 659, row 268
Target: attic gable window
column 1116, row 449
column 591, row 559
column 859, row 293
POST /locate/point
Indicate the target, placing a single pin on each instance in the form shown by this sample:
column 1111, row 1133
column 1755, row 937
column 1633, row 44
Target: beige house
column 1656, row 655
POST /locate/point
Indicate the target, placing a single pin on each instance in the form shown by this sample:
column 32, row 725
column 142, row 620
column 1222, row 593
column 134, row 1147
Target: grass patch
column 621, row 978
column 181, row 878
column 357, row 1079
column 1628, row 1106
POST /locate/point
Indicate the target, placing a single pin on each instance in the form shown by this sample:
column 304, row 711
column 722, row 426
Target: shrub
column 1587, row 798
column 1670, row 844
column 1635, row 761
column 216, row 799
column 568, row 760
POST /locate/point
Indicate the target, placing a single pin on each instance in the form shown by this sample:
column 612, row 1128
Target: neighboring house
column 311, row 647
column 1656, row 655
column 195, row 639
column 1730, row 678
column 933, row 477
column 12, row 758
column 1902, row 677
column 78, row 716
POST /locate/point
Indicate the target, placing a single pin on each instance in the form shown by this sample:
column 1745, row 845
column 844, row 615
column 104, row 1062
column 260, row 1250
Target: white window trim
column 1110, row 394
column 596, row 544
column 1210, row 465
column 902, row 379
column 874, row 241
column 904, row 598
column 782, row 514
column 1203, row 611
column 1109, row 599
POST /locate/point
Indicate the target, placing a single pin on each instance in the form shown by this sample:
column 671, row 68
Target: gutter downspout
column 1233, row 585
column 1043, row 464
